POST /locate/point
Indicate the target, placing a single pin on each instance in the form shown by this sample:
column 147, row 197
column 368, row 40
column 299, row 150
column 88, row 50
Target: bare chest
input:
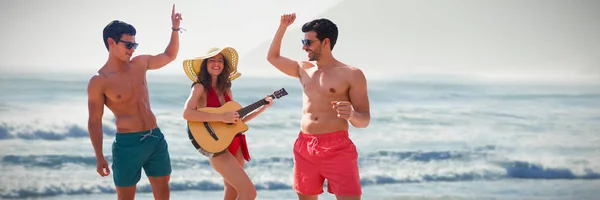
column 125, row 87
column 324, row 84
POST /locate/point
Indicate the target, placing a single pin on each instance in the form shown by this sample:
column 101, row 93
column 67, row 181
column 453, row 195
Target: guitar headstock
column 279, row 93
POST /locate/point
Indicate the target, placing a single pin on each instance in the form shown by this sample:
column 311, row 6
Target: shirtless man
column 121, row 85
column 334, row 93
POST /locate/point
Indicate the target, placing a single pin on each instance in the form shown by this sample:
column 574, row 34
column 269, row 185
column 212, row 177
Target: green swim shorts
column 136, row 150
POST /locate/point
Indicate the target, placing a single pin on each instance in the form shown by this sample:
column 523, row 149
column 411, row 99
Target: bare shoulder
column 96, row 81
column 140, row 61
column 355, row 73
column 305, row 64
column 197, row 88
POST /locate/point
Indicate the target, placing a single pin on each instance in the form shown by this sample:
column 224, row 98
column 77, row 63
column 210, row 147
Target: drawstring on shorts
column 314, row 143
column 144, row 136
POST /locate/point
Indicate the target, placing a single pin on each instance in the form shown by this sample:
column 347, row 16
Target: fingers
column 103, row 170
column 173, row 11
column 269, row 99
column 343, row 108
column 177, row 16
column 236, row 117
column 288, row 18
column 345, row 116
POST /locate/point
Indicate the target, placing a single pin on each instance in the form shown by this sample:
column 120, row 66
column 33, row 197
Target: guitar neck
column 248, row 109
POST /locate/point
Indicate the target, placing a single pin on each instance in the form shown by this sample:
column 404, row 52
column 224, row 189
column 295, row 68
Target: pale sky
column 552, row 40
column 66, row 35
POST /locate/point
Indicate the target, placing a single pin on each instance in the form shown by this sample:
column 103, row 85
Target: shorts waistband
column 334, row 134
column 155, row 131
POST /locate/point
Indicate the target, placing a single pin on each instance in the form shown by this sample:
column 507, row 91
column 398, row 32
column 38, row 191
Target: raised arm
column 152, row 62
column 361, row 114
column 95, row 112
column 191, row 113
column 283, row 64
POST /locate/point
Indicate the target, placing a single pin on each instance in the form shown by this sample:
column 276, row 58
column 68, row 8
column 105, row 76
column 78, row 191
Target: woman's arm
column 190, row 113
column 259, row 111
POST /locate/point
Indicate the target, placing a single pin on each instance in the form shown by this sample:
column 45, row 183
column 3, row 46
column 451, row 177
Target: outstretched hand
column 343, row 108
column 175, row 18
column 287, row 19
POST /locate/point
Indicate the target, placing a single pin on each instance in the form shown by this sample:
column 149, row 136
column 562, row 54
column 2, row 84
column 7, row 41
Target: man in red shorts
column 334, row 93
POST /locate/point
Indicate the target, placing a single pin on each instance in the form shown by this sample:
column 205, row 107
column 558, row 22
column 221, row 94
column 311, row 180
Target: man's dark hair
column 324, row 28
column 115, row 30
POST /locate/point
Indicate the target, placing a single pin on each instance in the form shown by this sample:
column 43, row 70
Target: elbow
column 172, row 56
column 272, row 58
column 364, row 125
column 362, row 122
column 187, row 115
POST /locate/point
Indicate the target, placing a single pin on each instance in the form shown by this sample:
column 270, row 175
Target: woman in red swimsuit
column 212, row 75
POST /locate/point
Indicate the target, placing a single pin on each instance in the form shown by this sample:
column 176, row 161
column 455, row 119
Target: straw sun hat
column 191, row 67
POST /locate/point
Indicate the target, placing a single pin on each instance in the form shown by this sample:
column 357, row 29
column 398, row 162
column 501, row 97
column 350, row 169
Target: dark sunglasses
column 307, row 42
column 128, row 45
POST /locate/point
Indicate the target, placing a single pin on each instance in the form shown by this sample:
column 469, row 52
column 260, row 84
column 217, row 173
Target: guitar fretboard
column 248, row 109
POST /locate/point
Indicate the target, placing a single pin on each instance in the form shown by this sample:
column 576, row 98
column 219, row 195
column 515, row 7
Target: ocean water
column 428, row 139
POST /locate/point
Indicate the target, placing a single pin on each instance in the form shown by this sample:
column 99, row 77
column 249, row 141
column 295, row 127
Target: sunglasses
column 307, row 42
column 128, row 45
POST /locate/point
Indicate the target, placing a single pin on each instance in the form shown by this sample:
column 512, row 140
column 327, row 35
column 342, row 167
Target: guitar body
column 224, row 133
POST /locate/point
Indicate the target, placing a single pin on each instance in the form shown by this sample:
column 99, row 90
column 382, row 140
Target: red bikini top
column 212, row 100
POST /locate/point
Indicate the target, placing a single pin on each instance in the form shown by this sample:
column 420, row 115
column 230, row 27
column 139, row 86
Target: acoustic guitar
column 216, row 136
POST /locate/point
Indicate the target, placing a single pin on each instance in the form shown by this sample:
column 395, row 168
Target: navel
column 118, row 96
column 332, row 90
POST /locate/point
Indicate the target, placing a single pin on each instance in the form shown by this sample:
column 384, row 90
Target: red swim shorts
column 330, row 156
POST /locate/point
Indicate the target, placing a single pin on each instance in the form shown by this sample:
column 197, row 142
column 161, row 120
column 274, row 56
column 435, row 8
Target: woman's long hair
column 223, row 82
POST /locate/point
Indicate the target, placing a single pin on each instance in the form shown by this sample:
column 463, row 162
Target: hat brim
column 191, row 67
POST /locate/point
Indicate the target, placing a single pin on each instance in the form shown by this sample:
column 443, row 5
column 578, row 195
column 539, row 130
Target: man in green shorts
column 121, row 85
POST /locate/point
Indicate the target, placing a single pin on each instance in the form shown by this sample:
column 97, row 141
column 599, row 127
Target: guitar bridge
column 210, row 131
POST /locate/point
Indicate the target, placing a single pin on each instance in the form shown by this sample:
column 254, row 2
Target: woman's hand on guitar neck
column 230, row 117
column 269, row 102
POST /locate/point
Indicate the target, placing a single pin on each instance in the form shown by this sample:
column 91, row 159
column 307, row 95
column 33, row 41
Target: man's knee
column 160, row 180
column 160, row 186
column 126, row 193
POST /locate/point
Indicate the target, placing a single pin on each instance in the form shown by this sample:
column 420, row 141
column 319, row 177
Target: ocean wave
column 59, row 132
column 174, row 185
column 62, row 132
column 55, row 188
column 386, row 157
column 514, row 168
